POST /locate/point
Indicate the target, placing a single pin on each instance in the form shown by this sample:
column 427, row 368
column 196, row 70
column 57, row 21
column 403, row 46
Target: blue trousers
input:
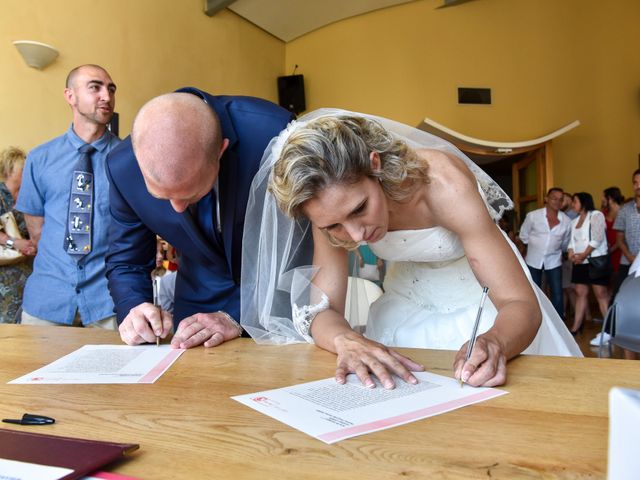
column 554, row 281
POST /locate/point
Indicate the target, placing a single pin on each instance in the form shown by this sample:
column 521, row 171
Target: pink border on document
column 111, row 476
column 161, row 366
column 408, row 417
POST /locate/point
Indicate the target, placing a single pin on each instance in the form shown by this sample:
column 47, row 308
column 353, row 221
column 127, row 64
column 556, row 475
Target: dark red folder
column 82, row 456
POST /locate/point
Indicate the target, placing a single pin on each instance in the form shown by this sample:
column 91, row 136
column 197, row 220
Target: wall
column 548, row 63
column 148, row 46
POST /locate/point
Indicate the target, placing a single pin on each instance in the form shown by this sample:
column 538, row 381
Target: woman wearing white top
column 588, row 239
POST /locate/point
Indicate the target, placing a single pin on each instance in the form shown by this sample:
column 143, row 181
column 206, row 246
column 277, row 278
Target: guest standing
column 65, row 199
column 13, row 277
column 627, row 226
column 588, row 239
column 612, row 200
column 546, row 233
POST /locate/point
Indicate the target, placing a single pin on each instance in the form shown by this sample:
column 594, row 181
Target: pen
column 474, row 332
column 155, row 281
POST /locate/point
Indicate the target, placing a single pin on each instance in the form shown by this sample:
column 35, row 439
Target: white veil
column 277, row 251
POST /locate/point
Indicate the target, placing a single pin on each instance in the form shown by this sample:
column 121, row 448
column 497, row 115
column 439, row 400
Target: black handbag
column 599, row 266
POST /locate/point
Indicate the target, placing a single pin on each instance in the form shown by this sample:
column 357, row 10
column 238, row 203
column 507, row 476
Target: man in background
column 65, row 199
column 185, row 175
column 627, row 225
column 546, row 233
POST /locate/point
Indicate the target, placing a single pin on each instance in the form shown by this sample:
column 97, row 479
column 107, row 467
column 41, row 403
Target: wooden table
column 552, row 424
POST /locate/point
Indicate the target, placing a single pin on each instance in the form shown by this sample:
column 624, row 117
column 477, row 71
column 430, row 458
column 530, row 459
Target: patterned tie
column 77, row 240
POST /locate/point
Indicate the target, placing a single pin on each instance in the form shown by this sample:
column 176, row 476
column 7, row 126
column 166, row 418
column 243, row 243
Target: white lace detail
column 303, row 316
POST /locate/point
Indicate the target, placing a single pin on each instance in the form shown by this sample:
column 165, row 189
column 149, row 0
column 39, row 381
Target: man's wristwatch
column 233, row 321
column 9, row 243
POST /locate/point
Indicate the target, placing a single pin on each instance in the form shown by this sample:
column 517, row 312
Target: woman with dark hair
column 588, row 240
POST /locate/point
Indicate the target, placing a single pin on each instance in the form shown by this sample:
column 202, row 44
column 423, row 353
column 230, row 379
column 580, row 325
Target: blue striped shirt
column 58, row 286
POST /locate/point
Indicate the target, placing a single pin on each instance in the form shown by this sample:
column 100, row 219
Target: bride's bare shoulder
column 446, row 169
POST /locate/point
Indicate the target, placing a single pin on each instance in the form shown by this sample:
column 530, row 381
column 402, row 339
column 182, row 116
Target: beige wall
column 548, row 62
column 148, row 46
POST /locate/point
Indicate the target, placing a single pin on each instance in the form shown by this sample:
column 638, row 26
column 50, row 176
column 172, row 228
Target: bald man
column 185, row 175
column 66, row 288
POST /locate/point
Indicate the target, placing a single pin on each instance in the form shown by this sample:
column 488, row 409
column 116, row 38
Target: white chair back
column 361, row 294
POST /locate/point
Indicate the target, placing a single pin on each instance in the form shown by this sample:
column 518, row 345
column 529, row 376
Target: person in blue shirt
column 63, row 290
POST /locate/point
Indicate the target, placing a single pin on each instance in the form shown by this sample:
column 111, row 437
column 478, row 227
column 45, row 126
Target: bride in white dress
column 419, row 203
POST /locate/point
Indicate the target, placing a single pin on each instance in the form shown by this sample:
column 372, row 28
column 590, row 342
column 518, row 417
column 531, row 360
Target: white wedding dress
column 431, row 297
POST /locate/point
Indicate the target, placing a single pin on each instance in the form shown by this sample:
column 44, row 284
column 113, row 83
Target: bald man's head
column 178, row 143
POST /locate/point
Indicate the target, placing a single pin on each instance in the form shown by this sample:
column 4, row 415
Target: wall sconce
column 37, row 55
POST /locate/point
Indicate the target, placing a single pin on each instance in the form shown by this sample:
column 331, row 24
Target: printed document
column 332, row 412
column 106, row 364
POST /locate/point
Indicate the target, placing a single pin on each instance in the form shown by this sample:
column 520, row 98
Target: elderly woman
column 13, row 277
column 588, row 241
column 417, row 202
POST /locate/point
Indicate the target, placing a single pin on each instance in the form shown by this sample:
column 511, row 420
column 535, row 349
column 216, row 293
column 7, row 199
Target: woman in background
column 612, row 200
column 13, row 277
column 588, row 239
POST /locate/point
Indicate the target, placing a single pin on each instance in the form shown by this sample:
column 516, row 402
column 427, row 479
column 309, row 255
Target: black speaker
column 291, row 93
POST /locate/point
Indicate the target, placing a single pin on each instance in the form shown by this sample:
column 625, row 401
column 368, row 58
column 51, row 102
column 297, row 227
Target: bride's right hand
column 359, row 355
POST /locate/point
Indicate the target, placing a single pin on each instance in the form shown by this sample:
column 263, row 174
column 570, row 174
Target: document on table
column 106, row 364
column 15, row 470
column 332, row 412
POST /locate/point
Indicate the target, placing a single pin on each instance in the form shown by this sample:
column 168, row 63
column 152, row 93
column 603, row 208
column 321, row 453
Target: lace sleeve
column 598, row 228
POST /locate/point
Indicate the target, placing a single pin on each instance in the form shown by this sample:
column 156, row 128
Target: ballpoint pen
column 474, row 332
column 155, row 281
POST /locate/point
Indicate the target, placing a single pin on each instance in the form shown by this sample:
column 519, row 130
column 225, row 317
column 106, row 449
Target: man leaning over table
column 65, row 197
column 185, row 174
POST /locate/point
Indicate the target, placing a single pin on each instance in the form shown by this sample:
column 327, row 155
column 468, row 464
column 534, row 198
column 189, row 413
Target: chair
column 624, row 317
column 361, row 294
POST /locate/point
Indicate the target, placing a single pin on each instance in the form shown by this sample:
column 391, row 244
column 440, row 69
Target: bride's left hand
column 359, row 355
column 487, row 366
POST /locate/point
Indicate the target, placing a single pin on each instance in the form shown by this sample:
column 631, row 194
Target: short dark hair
column 614, row 194
column 586, row 200
column 637, row 172
column 555, row 189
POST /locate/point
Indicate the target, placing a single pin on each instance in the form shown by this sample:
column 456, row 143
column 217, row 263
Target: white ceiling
column 289, row 19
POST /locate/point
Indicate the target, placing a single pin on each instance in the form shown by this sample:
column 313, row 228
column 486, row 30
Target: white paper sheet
column 14, row 470
column 331, row 412
column 106, row 364
column 624, row 425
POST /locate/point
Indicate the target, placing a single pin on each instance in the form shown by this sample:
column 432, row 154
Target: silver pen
column 474, row 332
column 155, row 281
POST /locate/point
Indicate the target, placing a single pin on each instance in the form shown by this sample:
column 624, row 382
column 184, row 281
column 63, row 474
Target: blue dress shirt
column 58, row 286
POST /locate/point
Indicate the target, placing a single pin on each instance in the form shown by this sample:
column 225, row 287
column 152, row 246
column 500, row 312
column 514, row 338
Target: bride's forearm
column 516, row 326
column 326, row 327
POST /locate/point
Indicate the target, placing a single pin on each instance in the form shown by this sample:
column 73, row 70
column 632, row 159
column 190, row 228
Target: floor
column 590, row 330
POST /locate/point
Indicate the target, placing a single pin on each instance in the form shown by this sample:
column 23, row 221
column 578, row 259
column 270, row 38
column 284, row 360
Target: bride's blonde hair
column 335, row 150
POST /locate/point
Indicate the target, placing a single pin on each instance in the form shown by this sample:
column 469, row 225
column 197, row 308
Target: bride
column 342, row 179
